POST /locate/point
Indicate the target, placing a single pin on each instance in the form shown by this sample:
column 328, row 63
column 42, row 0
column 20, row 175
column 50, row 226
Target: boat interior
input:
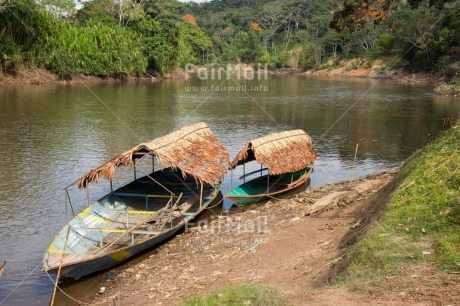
column 131, row 214
column 258, row 185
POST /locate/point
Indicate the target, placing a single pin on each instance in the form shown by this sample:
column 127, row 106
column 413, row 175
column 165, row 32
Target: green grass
column 240, row 295
column 422, row 214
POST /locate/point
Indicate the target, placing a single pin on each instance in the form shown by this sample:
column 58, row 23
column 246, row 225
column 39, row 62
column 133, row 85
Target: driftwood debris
column 2, row 268
column 325, row 202
column 334, row 198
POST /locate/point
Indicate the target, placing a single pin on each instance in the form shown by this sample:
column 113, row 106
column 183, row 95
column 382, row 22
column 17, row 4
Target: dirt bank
column 375, row 69
column 25, row 75
column 294, row 244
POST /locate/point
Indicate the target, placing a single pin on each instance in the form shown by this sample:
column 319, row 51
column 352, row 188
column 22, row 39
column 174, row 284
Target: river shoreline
column 33, row 76
column 297, row 245
column 294, row 242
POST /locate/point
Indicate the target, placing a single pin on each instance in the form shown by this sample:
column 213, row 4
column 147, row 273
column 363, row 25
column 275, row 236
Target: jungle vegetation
column 132, row 37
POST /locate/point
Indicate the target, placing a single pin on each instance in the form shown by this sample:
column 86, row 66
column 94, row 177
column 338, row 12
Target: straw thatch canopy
column 193, row 150
column 280, row 152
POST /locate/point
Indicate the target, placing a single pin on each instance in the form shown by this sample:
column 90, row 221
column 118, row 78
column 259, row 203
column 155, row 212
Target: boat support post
column 134, row 168
column 70, row 201
column 268, row 183
column 201, row 195
column 231, row 179
column 244, row 172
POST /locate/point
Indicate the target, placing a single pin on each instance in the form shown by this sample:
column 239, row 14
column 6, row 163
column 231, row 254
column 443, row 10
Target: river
column 51, row 134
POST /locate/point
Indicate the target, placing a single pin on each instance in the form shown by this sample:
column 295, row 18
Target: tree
column 332, row 40
column 255, row 27
column 129, row 10
column 59, row 8
column 385, row 44
column 355, row 14
column 122, row 12
column 189, row 18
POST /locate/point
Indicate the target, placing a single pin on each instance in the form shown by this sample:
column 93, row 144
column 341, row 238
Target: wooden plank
column 141, row 212
column 140, row 195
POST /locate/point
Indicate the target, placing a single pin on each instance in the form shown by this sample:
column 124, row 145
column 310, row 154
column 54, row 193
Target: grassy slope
column 423, row 214
column 240, row 295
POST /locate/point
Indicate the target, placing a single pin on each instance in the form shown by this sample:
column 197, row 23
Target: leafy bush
column 385, row 44
column 93, row 49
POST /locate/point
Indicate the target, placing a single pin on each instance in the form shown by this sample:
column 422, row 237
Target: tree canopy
column 122, row 37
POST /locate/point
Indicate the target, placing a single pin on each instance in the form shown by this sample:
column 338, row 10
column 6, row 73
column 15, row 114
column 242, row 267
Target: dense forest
column 132, row 37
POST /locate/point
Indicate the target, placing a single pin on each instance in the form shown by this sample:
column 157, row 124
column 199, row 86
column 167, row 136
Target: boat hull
column 85, row 268
column 90, row 262
column 246, row 194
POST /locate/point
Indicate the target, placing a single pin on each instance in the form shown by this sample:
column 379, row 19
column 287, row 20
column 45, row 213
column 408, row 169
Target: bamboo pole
column 354, row 163
column 201, row 195
column 231, row 179
column 159, row 184
column 268, row 183
column 70, row 201
column 60, row 265
column 134, row 164
column 170, row 214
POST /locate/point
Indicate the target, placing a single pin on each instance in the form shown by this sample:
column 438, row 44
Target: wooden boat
column 288, row 157
column 144, row 212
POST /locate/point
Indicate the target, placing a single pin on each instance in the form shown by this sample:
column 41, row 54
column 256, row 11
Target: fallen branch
column 2, row 268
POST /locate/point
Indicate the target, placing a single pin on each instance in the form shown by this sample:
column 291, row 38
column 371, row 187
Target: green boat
column 288, row 157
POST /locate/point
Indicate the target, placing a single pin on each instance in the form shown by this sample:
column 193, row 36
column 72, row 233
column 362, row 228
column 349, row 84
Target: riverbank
column 410, row 255
column 38, row 76
column 357, row 68
column 379, row 69
column 293, row 244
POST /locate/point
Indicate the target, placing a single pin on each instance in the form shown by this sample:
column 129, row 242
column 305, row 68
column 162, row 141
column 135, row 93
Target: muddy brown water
column 51, row 134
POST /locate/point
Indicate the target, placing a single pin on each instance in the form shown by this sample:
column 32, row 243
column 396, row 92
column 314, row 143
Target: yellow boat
column 146, row 211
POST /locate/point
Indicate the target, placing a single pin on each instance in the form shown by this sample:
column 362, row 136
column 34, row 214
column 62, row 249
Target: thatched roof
column 280, row 152
column 193, row 150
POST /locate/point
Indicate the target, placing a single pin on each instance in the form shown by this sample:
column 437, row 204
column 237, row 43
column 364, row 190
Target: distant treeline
column 416, row 35
column 131, row 37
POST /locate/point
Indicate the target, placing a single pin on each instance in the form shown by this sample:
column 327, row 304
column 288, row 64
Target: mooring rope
column 70, row 297
column 216, row 204
column 278, row 199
